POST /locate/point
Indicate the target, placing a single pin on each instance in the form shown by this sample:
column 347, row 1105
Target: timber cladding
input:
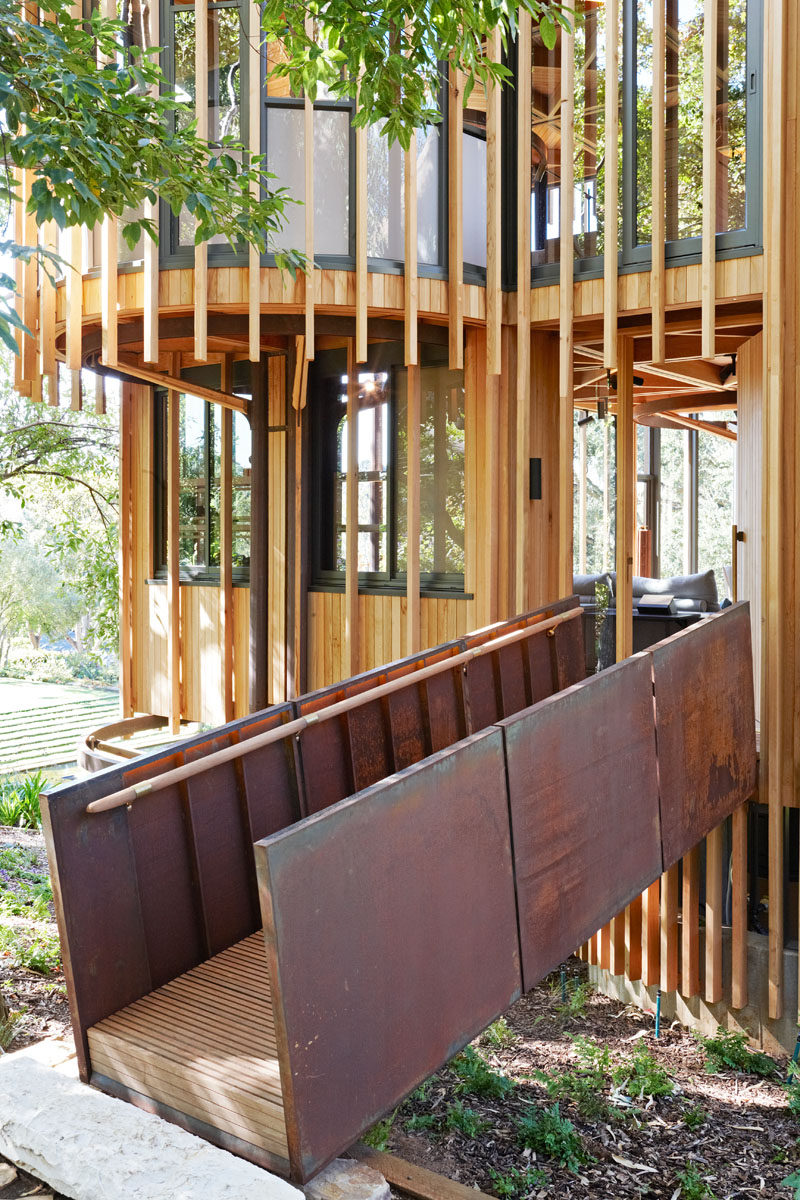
column 398, row 921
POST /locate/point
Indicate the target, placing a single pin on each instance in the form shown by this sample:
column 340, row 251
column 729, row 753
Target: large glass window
column 386, row 196
column 199, row 458
column 382, row 537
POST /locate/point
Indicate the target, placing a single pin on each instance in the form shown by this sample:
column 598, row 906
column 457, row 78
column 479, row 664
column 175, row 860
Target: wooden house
column 464, row 330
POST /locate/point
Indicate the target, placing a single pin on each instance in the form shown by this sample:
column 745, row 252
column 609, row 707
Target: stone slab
column 90, row 1146
column 347, row 1179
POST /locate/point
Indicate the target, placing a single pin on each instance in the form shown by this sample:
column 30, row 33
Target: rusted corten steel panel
column 583, row 794
column 705, row 726
column 417, row 951
column 132, row 887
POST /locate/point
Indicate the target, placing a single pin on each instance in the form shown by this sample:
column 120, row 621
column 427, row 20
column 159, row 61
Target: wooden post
column 690, row 924
column 413, row 511
column 494, row 282
column 351, row 630
column 651, row 935
column 566, row 312
column 658, row 290
column 669, row 930
column 714, row 915
column 173, row 558
column 254, row 138
column 611, row 198
column 739, row 915
column 709, row 253
column 201, row 19
column 523, row 427
column 411, row 285
column 259, row 527
column 455, row 167
column 226, row 545
column 626, row 498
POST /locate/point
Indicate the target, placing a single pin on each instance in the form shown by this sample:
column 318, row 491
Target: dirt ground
column 703, row 1136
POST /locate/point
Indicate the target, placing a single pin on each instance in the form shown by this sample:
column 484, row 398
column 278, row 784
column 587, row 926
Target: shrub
column 476, row 1077
column 547, row 1132
column 729, row 1051
column 642, row 1076
column 19, row 801
column 464, row 1120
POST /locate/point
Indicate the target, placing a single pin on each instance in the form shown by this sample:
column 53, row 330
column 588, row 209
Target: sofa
column 693, row 595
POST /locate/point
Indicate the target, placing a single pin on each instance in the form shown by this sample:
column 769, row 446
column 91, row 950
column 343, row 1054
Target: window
column 382, row 539
column 199, row 450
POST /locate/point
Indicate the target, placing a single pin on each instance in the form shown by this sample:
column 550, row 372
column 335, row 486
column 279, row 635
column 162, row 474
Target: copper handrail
column 228, row 754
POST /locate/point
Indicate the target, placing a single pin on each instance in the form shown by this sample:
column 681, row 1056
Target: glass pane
column 214, row 463
column 684, row 117
column 277, row 86
column 473, row 173
column 386, row 192
column 373, row 474
column 286, row 161
column 590, row 148
column 331, row 181
column 193, row 493
column 242, row 449
column 545, row 151
column 224, row 83
column 673, row 542
column 594, row 493
column 716, row 462
column 441, row 471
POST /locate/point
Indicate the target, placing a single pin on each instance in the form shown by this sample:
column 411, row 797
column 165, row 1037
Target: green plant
column 573, row 1008
column 19, row 801
column 694, row 1117
column 499, row 1034
column 780, row 1155
column 463, row 1120
column 642, row 1076
column 516, row 1184
column 9, row 1020
column 729, row 1051
column 547, row 1132
column 693, row 1186
column 476, row 1077
column 585, row 1086
column 378, row 1136
column 420, row 1121
column 793, row 1181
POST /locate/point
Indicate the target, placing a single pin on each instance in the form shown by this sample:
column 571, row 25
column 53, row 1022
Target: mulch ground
column 732, row 1131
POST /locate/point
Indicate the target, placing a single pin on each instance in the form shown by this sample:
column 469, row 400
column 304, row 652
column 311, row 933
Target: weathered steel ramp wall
column 391, row 939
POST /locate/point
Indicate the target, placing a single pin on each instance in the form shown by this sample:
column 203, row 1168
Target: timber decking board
column 211, row 1057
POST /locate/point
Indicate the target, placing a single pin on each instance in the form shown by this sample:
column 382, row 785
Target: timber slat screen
column 461, row 759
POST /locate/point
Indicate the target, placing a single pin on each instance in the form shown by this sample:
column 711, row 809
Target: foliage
column 516, row 1184
column 419, row 1121
column 577, row 997
column 642, row 1076
column 793, row 1181
column 476, row 1077
column 585, row 1086
column 463, row 1120
column 694, row 1117
column 19, row 803
column 378, row 1136
column 389, row 55
column 692, row 1185
column 728, row 1051
column 39, row 951
column 9, row 1021
column 499, row 1034
column 547, row 1132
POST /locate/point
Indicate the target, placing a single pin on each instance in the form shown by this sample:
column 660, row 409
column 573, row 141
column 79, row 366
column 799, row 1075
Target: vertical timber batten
column 311, row 273
column 259, row 539
column 494, row 293
column 254, row 139
column 411, row 282
column 455, row 192
column 708, row 265
column 658, row 277
column 361, row 245
column 151, row 212
column 523, row 398
column 226, row 545
column 626, row 497
column 126, row 647
column 47, row 317
column 566, row 313
column 351, row 629
column 173, row 558
column 201, row 17
column 413, row 510
column 109, row 239
column 611, row 194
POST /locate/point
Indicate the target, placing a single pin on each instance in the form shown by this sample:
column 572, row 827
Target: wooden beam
column 411, row 282
column 413, row 511
column 173, row 558
column 455, row 168
column 226, row 546
column 611, row 194
column 709, row 252
column 351, row 630
column 658, row 274
column 161, row 379
column 201, row 18
column 494, row 251
column 151, row 211
column 361, row 245
column 693, row 423
column 523, row 397
column 626, row 499
column 566, row 304
column 254, row 139
column 413, row 1180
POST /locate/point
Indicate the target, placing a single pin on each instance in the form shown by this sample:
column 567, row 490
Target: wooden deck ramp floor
column 204, row 1044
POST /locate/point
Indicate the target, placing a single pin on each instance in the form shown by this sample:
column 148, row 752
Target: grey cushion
column 585, row 585
column 702, row 587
